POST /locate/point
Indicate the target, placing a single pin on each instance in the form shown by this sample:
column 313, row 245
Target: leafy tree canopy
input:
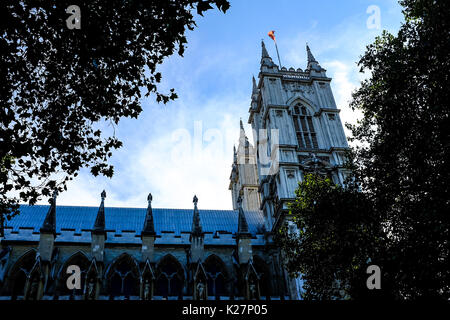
column 58, row 83
column 400, row 215
column 331, row 239
column 403, row 163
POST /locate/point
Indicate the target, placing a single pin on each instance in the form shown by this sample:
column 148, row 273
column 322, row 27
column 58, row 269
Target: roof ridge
column 113, row 207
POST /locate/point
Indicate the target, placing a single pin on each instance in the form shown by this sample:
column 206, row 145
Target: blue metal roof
column 119, row 220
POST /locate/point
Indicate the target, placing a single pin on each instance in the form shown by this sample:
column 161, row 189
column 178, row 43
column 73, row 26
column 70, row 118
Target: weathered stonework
column 299, row 106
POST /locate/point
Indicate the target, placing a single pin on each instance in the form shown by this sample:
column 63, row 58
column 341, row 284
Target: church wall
column 112, row 252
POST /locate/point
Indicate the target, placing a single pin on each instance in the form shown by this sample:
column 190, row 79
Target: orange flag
column 272, row 35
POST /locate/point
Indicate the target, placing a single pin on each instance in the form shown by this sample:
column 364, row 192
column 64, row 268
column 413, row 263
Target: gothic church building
column 156, row 253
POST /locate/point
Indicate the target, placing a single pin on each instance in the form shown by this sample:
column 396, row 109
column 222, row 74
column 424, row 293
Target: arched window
column 78, row 259
column 169, row 278
column 20, row 272
column 306, row 134
column 216, row 272
column 123, row 277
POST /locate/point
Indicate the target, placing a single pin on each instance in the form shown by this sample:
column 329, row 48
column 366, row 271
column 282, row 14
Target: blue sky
column 185, row 147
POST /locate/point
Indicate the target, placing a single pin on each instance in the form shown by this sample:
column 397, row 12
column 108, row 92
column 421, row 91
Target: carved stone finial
column 99, row 224
column 149, row 225
column 196, row 226
column 149, row 198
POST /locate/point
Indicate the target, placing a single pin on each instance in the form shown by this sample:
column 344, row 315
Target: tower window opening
column 304, row 127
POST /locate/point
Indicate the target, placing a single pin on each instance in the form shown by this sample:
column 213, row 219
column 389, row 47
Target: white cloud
column 174, row 160
column 214, row 87
column 342, row 87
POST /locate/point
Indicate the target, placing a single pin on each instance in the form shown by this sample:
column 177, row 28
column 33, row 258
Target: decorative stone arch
column 263, row 270
column 170, row 277
column 123, row 277
column 93, row 280
column 80, row 259
column 200, row 290
column 19, row 272
column 218, row 276
column 299, row 99
column 147, row 280
column 251, row 278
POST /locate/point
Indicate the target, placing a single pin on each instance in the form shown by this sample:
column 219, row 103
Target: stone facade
column 161, row 256
column 296, row 129
column 129, row 253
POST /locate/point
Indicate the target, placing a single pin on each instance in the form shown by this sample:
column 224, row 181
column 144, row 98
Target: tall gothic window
column 20, row 273
column 78, row 259
column 306, row 134
column 215, row 270
column 169, row 278
column 124, row 277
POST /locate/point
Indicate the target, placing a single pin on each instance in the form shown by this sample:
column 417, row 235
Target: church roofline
column 124, row 225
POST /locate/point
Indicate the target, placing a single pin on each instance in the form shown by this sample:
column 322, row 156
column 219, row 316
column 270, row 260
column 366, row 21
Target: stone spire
column 266, row 60
column 196, row 238
column 196, row 226
column 244, row 144
column 49, row 225
column 242, row 222
column 242, row 135
column 149, row 226
column 242, row 131
column 310, row 55
column 254, row 93
column 99, row 225
column 264, row 53
column 47, row 236
column 313, row 64
column 234, row 154
column 148, row 234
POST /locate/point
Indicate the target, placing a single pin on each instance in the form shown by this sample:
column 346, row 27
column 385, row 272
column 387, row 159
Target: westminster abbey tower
column 296, row 108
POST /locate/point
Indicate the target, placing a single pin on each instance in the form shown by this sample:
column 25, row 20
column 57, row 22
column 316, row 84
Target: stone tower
column 296, row 129
column 244, row 175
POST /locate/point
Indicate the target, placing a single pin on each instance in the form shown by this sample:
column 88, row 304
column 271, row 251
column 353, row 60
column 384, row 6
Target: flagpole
column 271, row 34
column 276, row 47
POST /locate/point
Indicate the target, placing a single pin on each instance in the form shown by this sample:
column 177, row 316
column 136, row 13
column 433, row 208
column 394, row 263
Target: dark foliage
column 401, row 166
column 58, row 83
column 337, row 237
column 404, row 168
